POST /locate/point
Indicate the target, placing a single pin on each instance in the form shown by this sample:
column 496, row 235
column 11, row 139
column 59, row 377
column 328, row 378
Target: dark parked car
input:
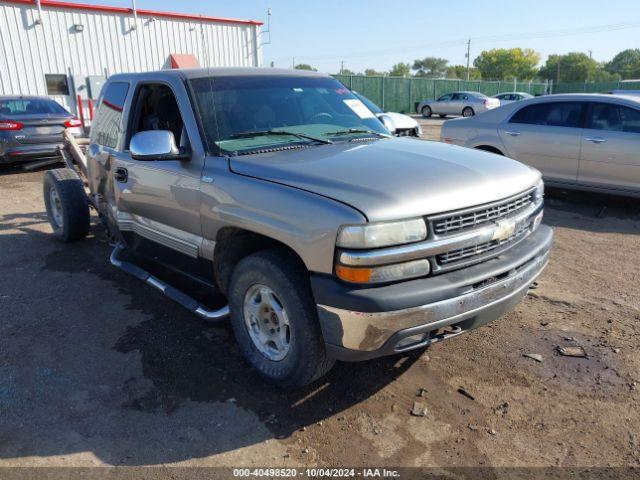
column 31, row 128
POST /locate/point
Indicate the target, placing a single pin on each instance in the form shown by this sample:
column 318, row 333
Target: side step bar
column 173, row 293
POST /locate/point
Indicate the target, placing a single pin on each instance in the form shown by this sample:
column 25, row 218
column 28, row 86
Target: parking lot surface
column 97, row 368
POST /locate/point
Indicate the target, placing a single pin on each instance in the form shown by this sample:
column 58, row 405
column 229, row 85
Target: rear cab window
column 551, row 114
column 107, row 126
column 30, row 106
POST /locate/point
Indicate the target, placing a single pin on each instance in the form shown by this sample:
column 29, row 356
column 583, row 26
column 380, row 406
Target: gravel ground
column 99, row 369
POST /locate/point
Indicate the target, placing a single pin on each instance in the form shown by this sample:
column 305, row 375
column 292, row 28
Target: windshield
column 370, row 105
column 231, row 108
column 29, row 106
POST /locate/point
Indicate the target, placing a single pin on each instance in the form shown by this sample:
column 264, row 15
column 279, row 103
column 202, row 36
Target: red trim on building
column 129, row 11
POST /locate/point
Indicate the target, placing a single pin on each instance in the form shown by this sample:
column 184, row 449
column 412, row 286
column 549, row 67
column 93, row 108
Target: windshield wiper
column 356, row 130
column 263, row 133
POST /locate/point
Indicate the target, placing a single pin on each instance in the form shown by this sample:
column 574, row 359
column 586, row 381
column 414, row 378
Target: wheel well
column 489, row 148
column 233, row 244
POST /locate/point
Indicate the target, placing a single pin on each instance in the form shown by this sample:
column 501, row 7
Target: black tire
column 468, row 112
column 72, row 205
column 426, row 111
column 306, row 359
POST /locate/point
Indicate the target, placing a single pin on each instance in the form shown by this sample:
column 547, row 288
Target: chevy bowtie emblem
column 504, row 229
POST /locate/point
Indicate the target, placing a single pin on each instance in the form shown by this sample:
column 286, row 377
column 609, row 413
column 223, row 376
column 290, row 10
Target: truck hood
column 393, row 178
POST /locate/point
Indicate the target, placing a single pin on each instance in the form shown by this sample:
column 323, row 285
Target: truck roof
column 221, row 72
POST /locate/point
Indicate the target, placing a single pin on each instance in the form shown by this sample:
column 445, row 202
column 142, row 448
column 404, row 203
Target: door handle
column 512, row 133
column 596, row 139
column 121, row 175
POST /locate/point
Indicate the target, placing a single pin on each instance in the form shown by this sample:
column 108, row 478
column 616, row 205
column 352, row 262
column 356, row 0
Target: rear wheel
column 66, row 204
column 468, row 112
column 275, row 321
column 426, row 111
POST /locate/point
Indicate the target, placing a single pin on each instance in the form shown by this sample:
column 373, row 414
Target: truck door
column 159, row 200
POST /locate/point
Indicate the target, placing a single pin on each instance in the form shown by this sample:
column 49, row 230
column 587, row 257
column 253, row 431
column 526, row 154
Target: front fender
column 306, row 222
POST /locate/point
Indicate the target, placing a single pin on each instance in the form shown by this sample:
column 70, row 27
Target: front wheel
column 67, row 205
column 468, row 112
column 275, row 321
column 426, row 111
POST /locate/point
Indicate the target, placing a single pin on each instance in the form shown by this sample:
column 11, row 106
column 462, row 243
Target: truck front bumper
column 360, row 324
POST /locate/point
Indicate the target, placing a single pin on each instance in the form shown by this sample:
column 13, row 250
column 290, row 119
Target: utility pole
column 590, row 54
column 135, row 15
column 341, row 66
column 468, row 57
column 293, row 62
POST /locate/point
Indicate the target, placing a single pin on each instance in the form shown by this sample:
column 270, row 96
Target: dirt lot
column 430, row 127
column 98, row 369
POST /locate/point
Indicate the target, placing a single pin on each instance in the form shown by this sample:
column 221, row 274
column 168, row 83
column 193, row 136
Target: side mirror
column 155, row 145
column 387, row 122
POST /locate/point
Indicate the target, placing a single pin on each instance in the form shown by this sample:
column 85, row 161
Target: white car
column 400, row 125
column 510, row 97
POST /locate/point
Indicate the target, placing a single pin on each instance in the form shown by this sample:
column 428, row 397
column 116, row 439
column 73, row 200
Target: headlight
column 384, row 274
column 538, row 194
column 376, row 235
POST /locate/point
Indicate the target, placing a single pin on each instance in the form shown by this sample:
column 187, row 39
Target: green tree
column 506, row 64
column 304, row 66
column 575, row 67
column 400, row 70
column 431, row 67
column 370, row 72
column 460, row 72
column 346, row 71
column 626, row 64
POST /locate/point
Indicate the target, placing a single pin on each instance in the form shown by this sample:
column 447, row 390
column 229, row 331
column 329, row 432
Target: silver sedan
column 466, row 104
column 510, row 97
column 582, row 141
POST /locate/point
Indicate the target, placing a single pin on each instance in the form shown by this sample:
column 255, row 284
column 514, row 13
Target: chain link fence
column 402, row 94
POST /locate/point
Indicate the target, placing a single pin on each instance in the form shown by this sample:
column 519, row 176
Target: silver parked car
column 585, row 141
column 466, row 104
column 399, row 124
column 31, row 128
column 510, row 97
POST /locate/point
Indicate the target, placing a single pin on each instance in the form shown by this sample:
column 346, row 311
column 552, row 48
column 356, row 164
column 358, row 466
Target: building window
column 57, row 84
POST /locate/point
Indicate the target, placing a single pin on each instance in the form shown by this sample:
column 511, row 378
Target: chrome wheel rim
column 466, row 113
column 56, row 207
column 267, row 322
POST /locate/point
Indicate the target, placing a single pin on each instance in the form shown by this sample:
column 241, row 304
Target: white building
column 66, row 50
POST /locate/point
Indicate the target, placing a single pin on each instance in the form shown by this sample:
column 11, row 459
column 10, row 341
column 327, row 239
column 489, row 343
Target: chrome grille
column 482, row 248
column 466, row 219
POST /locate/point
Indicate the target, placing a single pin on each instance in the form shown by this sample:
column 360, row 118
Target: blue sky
column 378, row 34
